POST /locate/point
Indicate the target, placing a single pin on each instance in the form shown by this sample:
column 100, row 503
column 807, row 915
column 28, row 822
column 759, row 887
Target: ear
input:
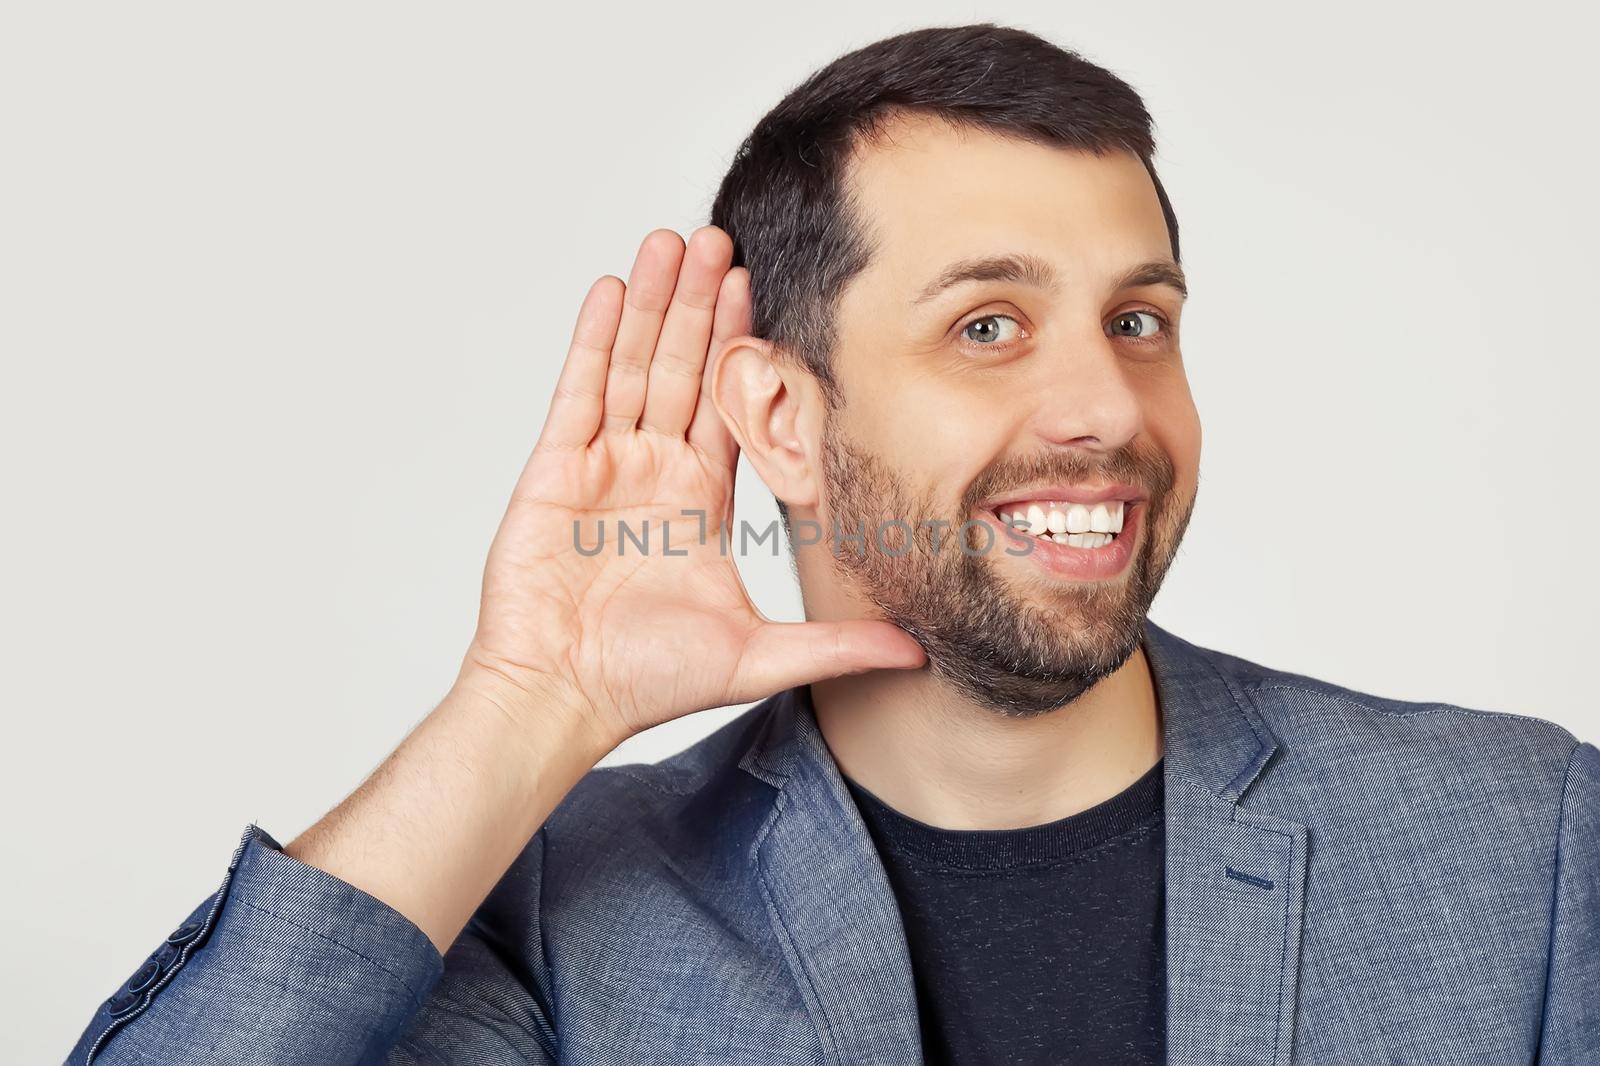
column 766, row 403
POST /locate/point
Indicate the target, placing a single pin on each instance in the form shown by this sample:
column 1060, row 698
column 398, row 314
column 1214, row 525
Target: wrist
column 533, row 708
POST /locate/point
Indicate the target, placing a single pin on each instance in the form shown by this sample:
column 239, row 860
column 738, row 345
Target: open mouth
column 1076, row 525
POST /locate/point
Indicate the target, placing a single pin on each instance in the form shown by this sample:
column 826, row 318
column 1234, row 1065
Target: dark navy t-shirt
column 1036, row 945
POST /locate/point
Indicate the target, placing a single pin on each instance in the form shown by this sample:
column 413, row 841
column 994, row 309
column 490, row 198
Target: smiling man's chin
column 1029, row 654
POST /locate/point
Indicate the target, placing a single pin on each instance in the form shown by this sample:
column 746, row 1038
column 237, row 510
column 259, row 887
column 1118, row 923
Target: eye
column 1136, row 324
column 987, row 331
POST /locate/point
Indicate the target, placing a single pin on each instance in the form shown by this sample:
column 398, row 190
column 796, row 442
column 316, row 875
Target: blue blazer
column 1350, row 879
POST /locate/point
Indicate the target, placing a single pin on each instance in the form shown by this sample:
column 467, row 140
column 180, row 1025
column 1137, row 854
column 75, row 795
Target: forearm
column 439, row 822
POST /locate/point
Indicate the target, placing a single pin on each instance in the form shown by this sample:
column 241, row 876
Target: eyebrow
column 1027, row 269
column 1033, row 271
column 1156, row 272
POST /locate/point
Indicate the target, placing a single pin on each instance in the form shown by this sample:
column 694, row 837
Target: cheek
column 1171, row 418
column 938, row 440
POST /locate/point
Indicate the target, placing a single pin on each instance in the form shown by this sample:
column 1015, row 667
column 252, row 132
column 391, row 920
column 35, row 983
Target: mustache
column 1151, row 471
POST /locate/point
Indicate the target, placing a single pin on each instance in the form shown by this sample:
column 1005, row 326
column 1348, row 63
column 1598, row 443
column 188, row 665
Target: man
column 985, row 810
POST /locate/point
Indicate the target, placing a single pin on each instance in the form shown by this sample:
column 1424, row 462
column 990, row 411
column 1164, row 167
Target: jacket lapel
column 1235, row 878
column 1234, row 896
column 831, row 901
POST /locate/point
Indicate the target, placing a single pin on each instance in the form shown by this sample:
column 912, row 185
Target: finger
column 679, row 362
column 782, row 655
column 650, row 285
column 707, row 431
column 575, row 409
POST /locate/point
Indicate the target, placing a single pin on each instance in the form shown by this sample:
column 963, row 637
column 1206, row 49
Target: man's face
column 1006, row 394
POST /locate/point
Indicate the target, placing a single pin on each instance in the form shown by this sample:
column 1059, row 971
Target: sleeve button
column 122, row 1002
column 184, row 933
column 145, row 977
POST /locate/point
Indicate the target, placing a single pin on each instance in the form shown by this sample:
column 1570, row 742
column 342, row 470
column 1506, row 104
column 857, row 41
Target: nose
column 1084, row 396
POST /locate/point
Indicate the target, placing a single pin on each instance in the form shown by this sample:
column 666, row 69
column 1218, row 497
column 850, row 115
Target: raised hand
column 632, row 639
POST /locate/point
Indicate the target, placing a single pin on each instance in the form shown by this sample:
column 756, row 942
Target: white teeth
column 1078, row 524
column 1082, row 540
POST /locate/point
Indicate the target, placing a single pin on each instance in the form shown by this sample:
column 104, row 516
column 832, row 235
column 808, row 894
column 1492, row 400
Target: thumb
column 781, row 655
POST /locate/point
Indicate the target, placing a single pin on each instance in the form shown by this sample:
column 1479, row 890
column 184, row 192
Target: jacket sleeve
column 492, row 1003
column 1571, row 1026
column 287, row 964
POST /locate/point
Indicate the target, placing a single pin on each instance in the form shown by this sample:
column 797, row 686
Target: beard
column 1018, row 647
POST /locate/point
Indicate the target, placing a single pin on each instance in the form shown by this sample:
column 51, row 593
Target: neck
column 933, row 755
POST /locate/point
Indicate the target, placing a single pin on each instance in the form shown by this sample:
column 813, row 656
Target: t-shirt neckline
column 996, row 849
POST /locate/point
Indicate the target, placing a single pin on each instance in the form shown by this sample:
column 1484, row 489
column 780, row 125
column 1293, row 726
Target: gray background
column 285, row 290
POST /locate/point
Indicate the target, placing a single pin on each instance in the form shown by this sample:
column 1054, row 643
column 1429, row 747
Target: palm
column 633, row 439
column 622, row 624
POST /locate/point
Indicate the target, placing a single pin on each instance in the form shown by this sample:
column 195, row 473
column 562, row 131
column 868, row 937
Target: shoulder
column 690, row 810
column 663, row 787
column 1345, row 739
column 1309, row 707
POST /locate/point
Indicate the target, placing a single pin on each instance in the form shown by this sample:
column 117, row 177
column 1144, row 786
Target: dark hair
column 784, row 201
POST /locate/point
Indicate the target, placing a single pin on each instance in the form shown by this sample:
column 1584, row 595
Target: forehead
column 930, row 192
